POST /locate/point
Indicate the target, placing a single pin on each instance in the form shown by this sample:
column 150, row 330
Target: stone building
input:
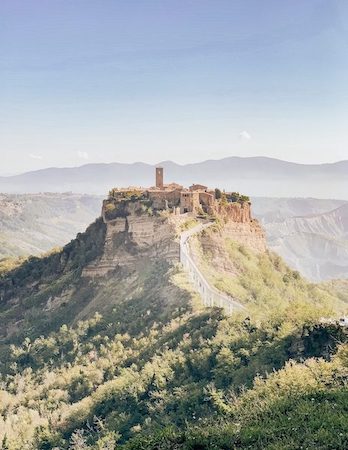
column 198, row 187
column 159, row 177
column 195, row 199
column 189, row 201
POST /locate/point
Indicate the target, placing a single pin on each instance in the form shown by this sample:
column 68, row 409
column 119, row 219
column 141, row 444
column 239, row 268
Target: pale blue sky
column 110, row 80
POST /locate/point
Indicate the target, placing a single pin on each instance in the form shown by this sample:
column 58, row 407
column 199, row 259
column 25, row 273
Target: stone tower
column 159, row 177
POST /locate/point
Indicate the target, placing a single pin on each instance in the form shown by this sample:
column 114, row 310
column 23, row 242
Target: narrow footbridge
column 209, row 294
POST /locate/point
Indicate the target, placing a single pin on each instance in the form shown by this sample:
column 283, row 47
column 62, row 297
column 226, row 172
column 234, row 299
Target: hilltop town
column 196, row 200
column 147, row 222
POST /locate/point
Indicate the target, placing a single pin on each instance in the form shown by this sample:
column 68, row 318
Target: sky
column 86, row 81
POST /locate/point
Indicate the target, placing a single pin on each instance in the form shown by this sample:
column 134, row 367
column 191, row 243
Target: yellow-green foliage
column 190, row 223
column 8, row 264
column 157, row 372
column 303, row 405
column 125, row 194
column 338, row 288
column 110, row 207
column 268, row 287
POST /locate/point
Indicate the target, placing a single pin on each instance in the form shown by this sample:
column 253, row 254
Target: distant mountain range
column 255, row 176
column 310, row 234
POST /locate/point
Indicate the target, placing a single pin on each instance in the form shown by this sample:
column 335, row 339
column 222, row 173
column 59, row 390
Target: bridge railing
column 210, row 295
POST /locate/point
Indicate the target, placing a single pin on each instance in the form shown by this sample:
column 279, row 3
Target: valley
column 310, row 234
column 31, row 224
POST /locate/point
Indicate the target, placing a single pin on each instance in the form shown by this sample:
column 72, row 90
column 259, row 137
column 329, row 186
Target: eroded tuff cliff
column 136, row 233
column 135, row 237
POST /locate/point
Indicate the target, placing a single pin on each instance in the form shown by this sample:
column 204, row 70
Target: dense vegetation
column 231, row 196
column 122, row 203
column 28, row 291
column 140, row 365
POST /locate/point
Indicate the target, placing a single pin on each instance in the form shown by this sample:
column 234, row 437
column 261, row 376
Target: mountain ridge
column 260, row 176
column 169, row 161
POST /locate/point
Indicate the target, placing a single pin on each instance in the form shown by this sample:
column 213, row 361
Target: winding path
column 209, row 294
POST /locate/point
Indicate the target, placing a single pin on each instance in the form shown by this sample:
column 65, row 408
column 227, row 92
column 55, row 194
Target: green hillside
column 133, row 361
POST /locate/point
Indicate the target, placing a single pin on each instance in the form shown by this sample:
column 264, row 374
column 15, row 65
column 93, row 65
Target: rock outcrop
column 133, row 232
column 137, row 236
column 235, row 212
column 250, row 234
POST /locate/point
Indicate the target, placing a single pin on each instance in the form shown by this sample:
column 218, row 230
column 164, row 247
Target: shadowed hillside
column 130, row 358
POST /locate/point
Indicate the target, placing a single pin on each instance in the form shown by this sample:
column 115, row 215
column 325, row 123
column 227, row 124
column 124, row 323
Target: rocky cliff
column 213, row 244
column 133, row 233
column 238, row 225
column 134, row 237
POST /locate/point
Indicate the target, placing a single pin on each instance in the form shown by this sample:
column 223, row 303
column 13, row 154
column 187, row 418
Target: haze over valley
column 259, row 176
column 310, row 234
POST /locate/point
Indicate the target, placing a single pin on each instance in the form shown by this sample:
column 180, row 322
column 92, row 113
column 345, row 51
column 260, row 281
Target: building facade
column 195, row 199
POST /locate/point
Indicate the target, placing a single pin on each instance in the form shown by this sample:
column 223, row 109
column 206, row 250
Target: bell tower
column 159, row 177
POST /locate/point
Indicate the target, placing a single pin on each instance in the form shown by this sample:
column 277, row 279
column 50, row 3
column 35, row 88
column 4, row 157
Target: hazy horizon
column 88, row 81
column 165, row 161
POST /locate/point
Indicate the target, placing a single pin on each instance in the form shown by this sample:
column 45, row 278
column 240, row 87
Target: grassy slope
column 337, row 287
column 303, row 404
column 158, row 372
column 264, row 283
column 289, row 410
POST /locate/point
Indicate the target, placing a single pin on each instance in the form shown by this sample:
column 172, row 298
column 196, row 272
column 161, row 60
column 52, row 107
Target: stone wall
column 161, row 199
column 207, row 201
column 189, row 201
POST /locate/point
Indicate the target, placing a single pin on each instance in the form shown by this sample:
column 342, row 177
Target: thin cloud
column 83, row 155
column 244, row 136
column 34, row 156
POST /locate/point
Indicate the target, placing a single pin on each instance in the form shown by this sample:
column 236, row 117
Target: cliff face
column 239, row 226
column 250, row 234
column 139, row 234
column 135, row 236
column 235, row 212
column 314, row 244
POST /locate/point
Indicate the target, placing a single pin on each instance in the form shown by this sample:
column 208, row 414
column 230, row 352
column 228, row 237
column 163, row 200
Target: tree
column 218, row 193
